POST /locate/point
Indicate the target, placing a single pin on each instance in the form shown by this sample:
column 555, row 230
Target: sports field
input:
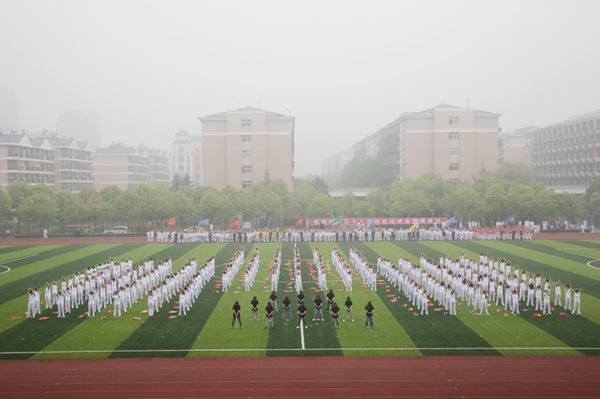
column 206, row 331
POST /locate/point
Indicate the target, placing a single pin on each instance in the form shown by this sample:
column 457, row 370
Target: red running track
column 310, row 377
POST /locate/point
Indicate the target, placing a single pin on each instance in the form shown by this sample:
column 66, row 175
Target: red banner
column 378, row 221
column 171, row 222
column 235, row 223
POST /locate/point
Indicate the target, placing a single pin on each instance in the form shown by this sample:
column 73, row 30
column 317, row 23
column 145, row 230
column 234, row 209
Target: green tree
column 5, row 205
column 70, row 208
column 362, row 172
column 39, row 207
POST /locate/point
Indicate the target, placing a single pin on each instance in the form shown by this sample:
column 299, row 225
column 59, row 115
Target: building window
column 453, row 166
column 246, row 183
column 453, row 120
column 453, row 151
column 246, row 138
column 246, row 169
column 454, row 136
column 453, row 180
column 246, row 122
column 246, row 153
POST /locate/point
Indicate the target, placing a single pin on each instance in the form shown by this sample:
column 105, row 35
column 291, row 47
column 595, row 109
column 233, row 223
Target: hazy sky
column 343, row 68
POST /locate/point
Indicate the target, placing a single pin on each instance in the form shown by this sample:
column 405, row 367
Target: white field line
column 13, row 260
column 217, row 350
column 583, row 255
column 302, row 334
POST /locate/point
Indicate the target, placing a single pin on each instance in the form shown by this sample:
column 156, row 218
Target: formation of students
column 251, row 269
column 190, row 285
column 297, row 263
column 368, row 275
column 275, row 268
column 477, row 283
column 271, row 308
column 360, row 234
column 342, row 269
column 231, row 268
column 503, row 233
column 321, row 275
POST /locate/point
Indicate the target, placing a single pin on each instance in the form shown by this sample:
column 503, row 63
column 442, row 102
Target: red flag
column 171, row 222
column 298, row 222
column 235, row 223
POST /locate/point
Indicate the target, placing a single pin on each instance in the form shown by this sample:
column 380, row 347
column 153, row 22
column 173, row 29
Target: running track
column 316, row 377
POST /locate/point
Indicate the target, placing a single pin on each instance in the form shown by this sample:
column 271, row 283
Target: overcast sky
column 343, row 68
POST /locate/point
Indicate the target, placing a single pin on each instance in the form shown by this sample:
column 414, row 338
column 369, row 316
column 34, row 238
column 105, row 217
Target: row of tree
column 508, row 192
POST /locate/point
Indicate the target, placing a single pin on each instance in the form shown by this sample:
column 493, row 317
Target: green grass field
column 206, row 331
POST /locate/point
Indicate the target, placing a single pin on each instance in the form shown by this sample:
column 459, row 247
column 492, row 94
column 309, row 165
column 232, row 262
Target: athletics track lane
column 310, row 377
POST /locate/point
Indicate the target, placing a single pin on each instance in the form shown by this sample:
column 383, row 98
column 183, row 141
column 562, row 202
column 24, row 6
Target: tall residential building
column 24, row 160
column 566, row 154
column 186, row 157
column 241, row 147
column 453, row 142
column 72, row 162
column 515, row 146
column 127, row 167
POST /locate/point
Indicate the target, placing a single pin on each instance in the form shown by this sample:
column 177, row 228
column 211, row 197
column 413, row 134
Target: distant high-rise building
column 334, row 164
column 566, row 154
column 9, row 110
column 453, row 142
column 241, row 147
column 186, row 157
column 515, row 146
column 80, row 125
column 127, row 167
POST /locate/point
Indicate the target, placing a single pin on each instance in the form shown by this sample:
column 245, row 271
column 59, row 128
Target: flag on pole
column 298, row 222
column 171, row 222
column 204, row 222
column 336, row 222
column 412, row 228
column 235, row 223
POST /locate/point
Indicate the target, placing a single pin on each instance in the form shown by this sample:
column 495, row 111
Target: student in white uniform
column 576, row 302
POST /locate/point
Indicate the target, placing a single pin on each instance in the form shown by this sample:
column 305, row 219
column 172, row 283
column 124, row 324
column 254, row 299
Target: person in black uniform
column 330, row 296
column 287, row 307
column 300, row 297
column 348, row 313
column 301, row 315
column 335, row 314
column 318, row 308
column 269, row 311
column 254, row 304
column 237, row 310
column 369, row 315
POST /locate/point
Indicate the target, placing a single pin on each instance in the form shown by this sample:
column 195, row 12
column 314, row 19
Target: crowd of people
column 251, row 269
column 122, row 285
column 342, row 268
column 475, row 283
column 230, row 269
column 361, row 234
column 503, row 233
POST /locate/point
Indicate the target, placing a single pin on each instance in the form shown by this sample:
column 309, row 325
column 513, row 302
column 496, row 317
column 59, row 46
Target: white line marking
column 583, row 255
column 13, row 260
column 405, row 349
column 302, row 334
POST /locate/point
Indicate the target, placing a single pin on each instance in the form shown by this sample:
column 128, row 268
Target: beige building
column 127, row 167
column 72, row 162
column 514, row 146
column 566, row 154
column 453, row 142
column 24, row 160
column 240, row 147
column 186, row 157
